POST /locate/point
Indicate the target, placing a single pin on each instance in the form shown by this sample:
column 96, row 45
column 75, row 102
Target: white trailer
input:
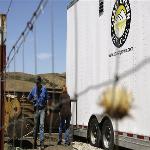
column 97, row 50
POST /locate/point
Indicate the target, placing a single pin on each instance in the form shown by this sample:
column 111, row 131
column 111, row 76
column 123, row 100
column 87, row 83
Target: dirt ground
column 74, row 146
column 51, row 144
column 54, row 146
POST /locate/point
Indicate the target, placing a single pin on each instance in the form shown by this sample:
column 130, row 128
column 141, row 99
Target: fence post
column 2, row 76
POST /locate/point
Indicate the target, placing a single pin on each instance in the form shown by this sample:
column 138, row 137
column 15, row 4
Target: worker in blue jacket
column 39, row 97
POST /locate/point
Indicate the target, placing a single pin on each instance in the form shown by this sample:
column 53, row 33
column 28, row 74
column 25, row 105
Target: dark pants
column 64, row 125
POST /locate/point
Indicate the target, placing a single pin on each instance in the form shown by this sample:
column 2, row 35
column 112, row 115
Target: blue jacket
column 41, row 101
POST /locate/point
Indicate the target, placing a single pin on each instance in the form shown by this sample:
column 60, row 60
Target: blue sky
column 20, row 13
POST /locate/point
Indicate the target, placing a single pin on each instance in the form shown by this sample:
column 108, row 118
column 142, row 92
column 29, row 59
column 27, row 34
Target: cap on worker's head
column 38, row 79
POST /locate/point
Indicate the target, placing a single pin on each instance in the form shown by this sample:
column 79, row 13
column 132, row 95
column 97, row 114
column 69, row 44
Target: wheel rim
column 93, row 134
column 107, row 136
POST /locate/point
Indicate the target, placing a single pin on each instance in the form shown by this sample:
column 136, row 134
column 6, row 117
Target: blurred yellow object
column 116, row 101
column 12, row 110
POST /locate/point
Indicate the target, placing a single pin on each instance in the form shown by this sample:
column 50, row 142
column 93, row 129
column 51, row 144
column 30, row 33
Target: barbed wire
column 138, row 67
column 116, row 79
column 15, row 49
column 53, row 67
column 29, row 27
column 9, row 6
column 22, row 114
column 14, row 121
column 119, row 77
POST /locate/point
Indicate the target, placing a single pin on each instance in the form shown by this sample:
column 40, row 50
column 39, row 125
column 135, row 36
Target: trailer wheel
column 94, row 133
column 107, row 135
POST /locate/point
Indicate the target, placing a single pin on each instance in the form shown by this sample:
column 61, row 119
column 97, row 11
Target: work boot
column 35, row 145
column 59, row 143
column 67, row 143
column 42, row 145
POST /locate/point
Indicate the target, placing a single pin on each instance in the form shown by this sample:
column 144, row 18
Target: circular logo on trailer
column 120, row 22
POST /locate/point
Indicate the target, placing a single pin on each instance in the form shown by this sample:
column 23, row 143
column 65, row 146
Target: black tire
column 94, row 133
column 107, row 135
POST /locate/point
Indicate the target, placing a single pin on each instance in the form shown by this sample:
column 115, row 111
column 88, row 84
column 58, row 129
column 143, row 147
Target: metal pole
column 2, row 76
column 76, row 62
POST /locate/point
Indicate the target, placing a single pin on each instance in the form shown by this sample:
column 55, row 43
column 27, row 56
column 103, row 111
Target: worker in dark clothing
column 39, row 97
column 65, row 116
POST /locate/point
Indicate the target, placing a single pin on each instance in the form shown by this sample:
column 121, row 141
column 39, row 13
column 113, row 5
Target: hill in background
column 24, row 82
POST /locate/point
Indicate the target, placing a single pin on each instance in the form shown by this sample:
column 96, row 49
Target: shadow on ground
column 24, row 144
column 84, row 140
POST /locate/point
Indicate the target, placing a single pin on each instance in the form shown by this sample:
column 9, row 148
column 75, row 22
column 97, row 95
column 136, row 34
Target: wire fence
column 20, row 43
